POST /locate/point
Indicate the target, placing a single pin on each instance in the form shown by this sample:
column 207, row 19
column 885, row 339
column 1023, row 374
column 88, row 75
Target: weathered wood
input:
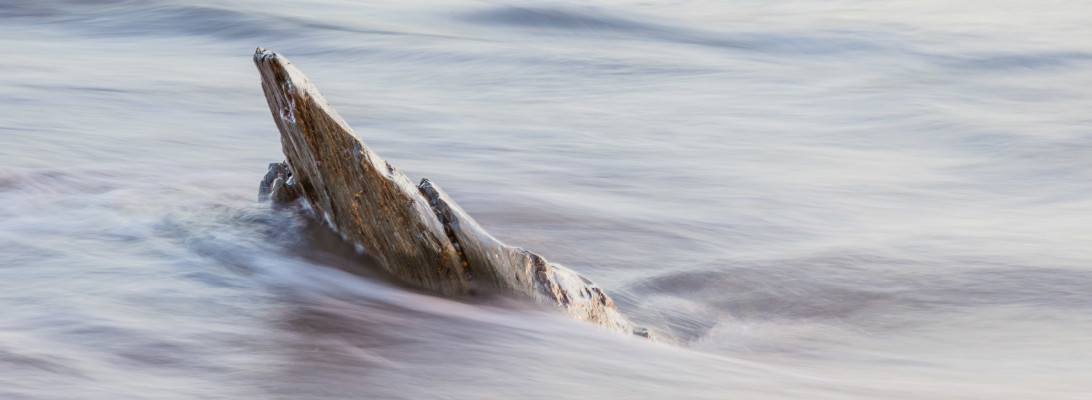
column 278, row 185
column 517, row 270
column 416, row 232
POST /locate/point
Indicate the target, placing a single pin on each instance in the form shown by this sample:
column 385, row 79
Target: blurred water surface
column 853, row 199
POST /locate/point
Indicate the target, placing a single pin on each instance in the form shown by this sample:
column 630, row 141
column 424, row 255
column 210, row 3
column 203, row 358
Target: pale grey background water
column 852, row 199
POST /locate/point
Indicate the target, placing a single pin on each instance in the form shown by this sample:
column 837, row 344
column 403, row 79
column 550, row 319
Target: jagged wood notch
column 415, row 231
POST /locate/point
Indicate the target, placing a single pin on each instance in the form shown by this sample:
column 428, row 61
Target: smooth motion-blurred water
column 842, row 199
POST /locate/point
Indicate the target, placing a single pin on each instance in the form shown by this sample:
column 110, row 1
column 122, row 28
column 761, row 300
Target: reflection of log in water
column 415, row 231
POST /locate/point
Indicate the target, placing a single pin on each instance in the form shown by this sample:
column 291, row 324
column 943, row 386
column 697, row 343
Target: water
column 884, row 199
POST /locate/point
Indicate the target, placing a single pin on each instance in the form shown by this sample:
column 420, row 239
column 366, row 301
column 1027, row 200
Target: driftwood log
column 415, row 231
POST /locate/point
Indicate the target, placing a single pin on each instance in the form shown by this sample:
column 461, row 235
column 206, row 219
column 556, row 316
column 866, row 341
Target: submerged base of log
column 415, row 231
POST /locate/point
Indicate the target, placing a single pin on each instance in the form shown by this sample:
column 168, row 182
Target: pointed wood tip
column 261, row 54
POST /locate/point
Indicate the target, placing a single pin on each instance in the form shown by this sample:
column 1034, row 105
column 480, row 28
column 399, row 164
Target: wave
column 587, row 21
column 151, row 18
column 846, row 292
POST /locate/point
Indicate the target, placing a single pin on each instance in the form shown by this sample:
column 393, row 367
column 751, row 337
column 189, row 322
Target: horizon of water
column 853, row 199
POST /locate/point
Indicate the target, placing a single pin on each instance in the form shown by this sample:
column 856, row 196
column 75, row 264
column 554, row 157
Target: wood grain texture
column 415, row 231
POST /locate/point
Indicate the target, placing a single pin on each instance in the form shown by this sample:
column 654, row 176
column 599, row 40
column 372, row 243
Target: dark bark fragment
column 278, row 185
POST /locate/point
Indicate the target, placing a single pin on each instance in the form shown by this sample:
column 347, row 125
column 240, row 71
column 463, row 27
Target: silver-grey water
column 845, row 200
